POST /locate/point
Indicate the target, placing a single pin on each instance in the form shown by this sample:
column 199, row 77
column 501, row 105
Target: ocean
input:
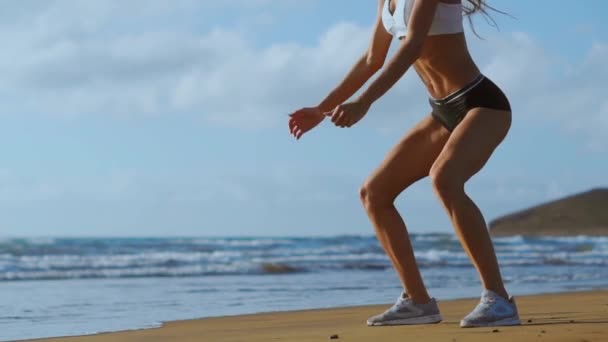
column 73, row 286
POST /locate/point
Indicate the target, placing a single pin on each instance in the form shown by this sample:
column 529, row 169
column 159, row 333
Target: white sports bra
column 448, row 18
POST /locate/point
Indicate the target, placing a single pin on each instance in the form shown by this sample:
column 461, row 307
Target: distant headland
column 580, row 214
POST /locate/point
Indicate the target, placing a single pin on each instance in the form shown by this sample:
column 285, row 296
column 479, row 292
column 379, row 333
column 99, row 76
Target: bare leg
column 409, row 161
column 466, row 152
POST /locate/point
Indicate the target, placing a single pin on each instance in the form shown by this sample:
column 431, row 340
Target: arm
column 419, row 24
column 367, row 65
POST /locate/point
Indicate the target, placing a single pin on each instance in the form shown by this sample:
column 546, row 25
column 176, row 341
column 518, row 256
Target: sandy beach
column 576, row 317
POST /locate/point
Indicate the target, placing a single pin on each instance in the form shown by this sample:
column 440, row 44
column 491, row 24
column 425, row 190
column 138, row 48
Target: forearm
column 359, row 74
column 402, row 60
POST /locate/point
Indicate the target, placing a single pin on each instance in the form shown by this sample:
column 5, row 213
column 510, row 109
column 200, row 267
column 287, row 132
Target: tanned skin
column 444, row 65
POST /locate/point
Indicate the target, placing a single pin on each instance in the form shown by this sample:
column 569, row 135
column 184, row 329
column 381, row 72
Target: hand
column 348, row 114
column 303, row 120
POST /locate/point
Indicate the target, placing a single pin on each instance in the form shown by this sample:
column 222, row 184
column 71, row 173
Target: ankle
column 501, row 291
column 423, row 298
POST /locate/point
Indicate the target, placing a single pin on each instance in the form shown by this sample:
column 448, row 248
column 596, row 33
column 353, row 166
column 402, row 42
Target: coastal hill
column 581, row 214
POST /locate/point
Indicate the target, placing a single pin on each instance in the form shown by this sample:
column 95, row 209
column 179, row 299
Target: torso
column 444, row 75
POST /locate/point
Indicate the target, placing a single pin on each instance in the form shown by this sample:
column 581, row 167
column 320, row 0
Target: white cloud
column 546, row 89
column 71, row 62
column 116, row 58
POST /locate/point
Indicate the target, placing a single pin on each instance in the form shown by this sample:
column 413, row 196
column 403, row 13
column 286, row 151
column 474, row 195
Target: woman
column 470, row 116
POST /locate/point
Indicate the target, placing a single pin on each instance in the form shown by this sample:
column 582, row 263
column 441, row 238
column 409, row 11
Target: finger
column 292, row 127
column 336, row 117
column 292, row 123
column 350, row 122
column 342, row 120
column 299, row 134
column 335, row 113
column 295, row 130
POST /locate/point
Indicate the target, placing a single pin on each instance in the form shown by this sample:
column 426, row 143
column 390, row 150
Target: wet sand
column 575, row 317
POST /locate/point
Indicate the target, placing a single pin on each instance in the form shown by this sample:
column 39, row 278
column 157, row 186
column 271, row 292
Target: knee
column 373, row 197
column 446, row 183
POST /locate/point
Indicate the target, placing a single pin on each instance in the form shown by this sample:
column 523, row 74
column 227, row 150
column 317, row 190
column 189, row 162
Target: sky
column 169, row 117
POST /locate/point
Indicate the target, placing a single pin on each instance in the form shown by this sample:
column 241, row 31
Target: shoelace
column 488, row 300
column 400, row 303
column 487, row 308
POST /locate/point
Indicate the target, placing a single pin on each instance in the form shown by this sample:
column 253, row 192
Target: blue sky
column 156, row 118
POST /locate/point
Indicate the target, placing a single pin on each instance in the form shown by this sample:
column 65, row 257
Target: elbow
column 414, row 45
column 416, row 51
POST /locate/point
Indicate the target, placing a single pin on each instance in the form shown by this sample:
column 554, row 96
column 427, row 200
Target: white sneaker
column 405, row 311
column 492, row 310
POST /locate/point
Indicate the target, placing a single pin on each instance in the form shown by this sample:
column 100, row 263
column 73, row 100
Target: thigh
column 472, row 143
column 410, row 159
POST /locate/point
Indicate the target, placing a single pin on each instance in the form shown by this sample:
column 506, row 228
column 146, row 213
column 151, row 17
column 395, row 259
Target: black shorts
column 481, row 92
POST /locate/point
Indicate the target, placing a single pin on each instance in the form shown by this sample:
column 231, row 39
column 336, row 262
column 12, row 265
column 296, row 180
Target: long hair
column 480, row 6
